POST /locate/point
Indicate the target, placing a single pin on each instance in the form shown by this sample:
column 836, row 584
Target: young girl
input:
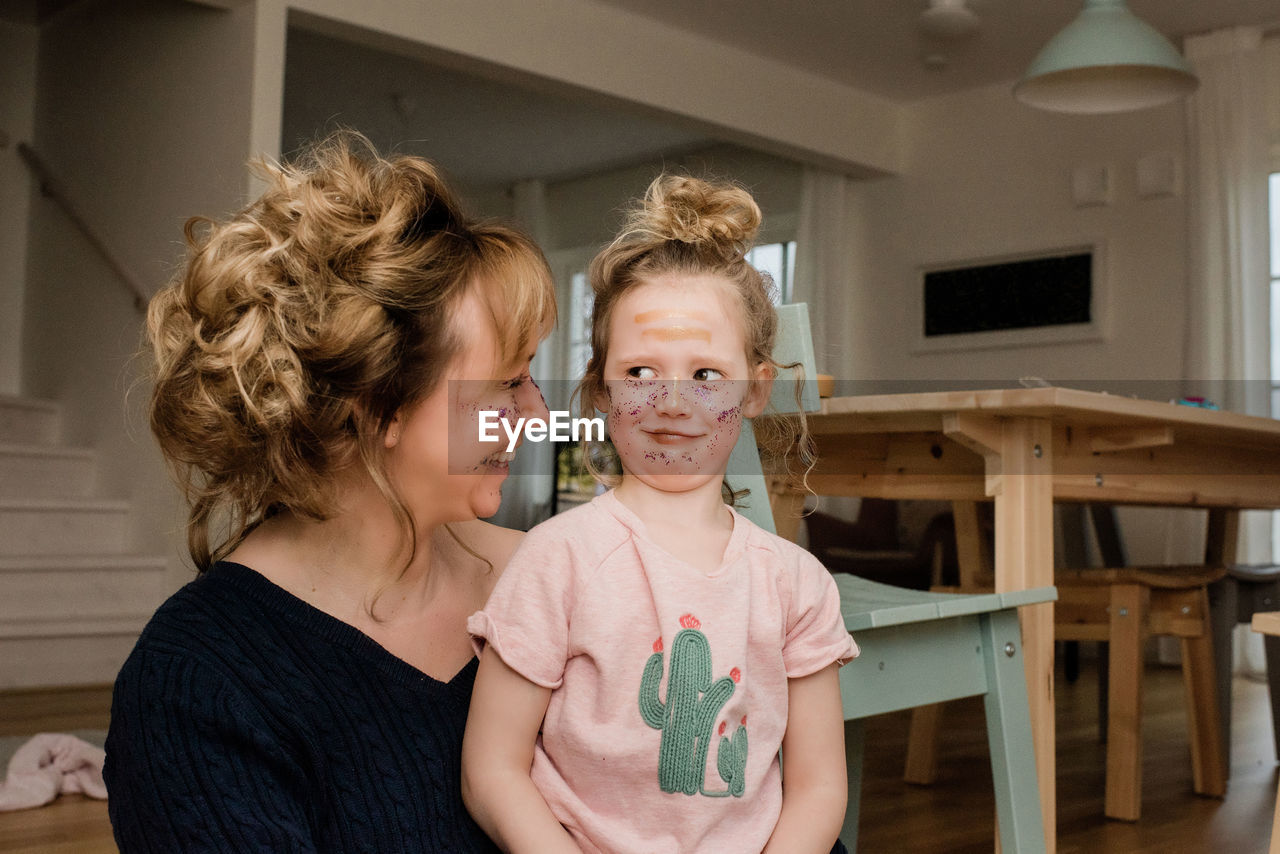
column 646, row 655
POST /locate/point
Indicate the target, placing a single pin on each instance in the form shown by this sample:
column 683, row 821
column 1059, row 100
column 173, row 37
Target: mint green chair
column 917, row 648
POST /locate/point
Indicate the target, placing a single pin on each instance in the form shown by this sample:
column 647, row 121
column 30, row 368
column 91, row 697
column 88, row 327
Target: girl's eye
column 706, row 375
column 642, row 373
column 516, row 383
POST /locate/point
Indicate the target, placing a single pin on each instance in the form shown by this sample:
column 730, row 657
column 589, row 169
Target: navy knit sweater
column 248, row 721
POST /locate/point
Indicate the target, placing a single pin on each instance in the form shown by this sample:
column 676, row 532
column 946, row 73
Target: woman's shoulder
column 491, row 542
column 205, row 619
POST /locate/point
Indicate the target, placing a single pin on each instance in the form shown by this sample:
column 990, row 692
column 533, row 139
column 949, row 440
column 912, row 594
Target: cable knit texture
column 246, row 720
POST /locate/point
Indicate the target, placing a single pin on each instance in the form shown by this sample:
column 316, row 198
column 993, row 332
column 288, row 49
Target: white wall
column 143, row 114
column 987, row 177
column 587, row 211
column 17, row 119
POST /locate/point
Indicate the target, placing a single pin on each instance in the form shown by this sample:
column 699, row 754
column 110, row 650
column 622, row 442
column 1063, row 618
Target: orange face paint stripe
column 678, row 333
column 665, row 314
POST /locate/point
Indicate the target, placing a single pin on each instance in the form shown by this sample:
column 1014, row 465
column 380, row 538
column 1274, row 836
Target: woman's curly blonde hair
column 299, row 327
column 690, row 226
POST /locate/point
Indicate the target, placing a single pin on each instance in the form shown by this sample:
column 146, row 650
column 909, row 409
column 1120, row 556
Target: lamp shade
column 1105, row 61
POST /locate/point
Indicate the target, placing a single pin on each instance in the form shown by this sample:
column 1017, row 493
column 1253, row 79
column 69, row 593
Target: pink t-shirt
column 669, row 697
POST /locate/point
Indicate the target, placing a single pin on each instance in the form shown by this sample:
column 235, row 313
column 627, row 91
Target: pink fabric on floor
column 49, row 765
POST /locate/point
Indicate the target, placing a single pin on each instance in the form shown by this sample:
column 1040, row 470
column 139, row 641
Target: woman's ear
column 761, row 387
column 391, row 438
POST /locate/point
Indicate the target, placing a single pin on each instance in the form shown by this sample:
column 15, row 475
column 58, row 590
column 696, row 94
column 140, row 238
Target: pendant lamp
column 1105, row 61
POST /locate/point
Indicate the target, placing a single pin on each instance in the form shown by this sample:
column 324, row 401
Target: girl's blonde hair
column 298, row 328
column 690, row 226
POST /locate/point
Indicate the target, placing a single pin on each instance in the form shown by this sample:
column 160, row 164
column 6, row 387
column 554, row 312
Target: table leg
column 973, row 553
column 787, row 504
column 1222, row 540
column 921, row 766
column 1223, row 537
column 973, row 550
column 1023, row 489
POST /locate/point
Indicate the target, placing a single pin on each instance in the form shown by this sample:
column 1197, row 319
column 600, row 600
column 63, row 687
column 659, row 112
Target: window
column 779, row 261
column 580, row 301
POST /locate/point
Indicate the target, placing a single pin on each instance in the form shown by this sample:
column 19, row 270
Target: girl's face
column 434, row 455
column 677, row 382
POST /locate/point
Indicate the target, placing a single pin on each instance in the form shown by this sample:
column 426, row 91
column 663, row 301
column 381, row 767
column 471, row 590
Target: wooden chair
column 1246, row 590
column 917, row 647
column 1125, row 607
column 1122, row 608
column 1268, row 624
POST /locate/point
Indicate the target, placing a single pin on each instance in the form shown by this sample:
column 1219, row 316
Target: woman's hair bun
column 721, row 217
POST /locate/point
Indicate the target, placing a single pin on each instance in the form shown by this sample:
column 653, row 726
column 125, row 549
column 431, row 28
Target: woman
column 320, row 362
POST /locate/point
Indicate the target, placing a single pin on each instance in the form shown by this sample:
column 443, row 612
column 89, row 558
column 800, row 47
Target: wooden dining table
column 1024, row 449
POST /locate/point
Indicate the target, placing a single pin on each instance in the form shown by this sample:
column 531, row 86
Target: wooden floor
column 954, row 816
column 73, row 824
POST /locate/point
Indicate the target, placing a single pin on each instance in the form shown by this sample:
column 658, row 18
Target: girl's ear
column 761, row 387
column 600, row 400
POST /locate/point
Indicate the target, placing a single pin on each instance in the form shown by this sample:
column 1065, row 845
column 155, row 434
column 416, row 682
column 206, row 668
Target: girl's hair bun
column 719, row 218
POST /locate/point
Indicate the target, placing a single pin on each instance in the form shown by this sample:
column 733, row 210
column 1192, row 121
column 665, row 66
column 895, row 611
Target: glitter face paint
column 433, row 456
column 467, row 455
column 676, row 379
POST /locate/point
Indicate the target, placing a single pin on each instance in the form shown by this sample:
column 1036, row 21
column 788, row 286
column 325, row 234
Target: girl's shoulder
column 761, row 540
column 589, row 532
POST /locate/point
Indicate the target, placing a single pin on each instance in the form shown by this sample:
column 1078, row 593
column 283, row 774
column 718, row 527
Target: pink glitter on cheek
column 733, row 416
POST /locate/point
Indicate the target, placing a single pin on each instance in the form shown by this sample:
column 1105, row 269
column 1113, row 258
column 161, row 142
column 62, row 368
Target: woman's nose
column 531, row 402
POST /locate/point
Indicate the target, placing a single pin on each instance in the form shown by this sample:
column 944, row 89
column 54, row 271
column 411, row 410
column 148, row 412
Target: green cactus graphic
column 688, row 715
column 731, row 761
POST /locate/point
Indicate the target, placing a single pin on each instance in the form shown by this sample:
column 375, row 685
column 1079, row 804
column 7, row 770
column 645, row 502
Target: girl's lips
column 665, row 437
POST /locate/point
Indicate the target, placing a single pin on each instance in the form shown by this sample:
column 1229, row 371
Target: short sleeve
column 191, row 766
column 526, row 619
column 816, row 635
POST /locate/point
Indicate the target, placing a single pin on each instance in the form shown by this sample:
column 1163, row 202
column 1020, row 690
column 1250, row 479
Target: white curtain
column 824, row 280
column 1227, row 336
column 823, row 265
column 526, row 495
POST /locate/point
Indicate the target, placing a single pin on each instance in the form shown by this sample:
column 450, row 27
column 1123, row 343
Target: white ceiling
column 875, row 45
column 482, row 132
column 487, row 133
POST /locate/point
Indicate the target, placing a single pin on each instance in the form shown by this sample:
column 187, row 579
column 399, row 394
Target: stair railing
column 52, row 189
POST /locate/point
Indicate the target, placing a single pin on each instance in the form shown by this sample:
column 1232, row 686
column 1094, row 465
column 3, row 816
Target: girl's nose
column 671, row 398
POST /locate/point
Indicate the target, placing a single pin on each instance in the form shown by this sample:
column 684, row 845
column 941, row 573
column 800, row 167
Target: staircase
column 72, row 597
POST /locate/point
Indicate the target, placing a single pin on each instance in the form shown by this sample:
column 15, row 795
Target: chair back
column 794, row 345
